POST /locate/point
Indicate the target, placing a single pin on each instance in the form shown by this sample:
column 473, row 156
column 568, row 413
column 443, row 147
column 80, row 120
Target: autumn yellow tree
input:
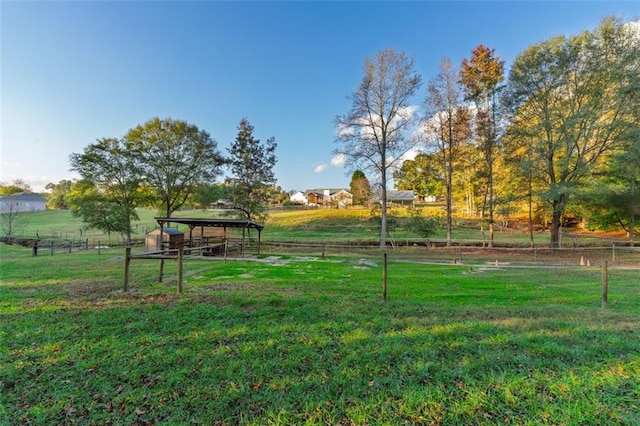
column 568, row 100
column 375, row 134
column 481, row 76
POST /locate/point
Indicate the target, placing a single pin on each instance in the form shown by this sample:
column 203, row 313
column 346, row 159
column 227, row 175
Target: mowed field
column 304, row 339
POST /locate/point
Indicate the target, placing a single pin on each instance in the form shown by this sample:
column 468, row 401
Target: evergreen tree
column 360, row 188
column 251, row 164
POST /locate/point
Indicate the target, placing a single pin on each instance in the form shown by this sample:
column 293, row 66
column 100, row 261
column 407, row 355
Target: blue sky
column 73, row 72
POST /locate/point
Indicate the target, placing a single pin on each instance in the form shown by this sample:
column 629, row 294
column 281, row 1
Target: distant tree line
column 559, row 136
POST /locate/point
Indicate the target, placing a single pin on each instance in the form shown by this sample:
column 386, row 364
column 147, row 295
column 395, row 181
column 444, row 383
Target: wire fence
column 462, row 254
column 617, row 253
column 51, row 246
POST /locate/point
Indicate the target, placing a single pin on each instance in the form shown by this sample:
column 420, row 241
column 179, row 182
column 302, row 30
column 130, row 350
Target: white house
column 19, row 203
column 298, row 197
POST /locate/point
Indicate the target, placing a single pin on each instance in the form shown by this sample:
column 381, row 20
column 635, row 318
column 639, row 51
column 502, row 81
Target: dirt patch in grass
column 239, row 286
column 89, row 290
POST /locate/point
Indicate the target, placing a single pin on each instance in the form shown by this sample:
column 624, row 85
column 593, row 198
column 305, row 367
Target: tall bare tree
column 446, row 127
column 374, row 134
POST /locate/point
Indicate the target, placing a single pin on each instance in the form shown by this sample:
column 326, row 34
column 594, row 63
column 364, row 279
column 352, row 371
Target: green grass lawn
column 308, row 341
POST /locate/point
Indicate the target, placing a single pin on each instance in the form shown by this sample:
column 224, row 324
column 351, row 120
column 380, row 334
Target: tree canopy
column 567, row 98
column 173, row 157
column 110, row 189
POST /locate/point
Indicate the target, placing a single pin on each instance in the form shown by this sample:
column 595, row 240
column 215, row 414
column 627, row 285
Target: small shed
column 402, row 198
column 169, row 239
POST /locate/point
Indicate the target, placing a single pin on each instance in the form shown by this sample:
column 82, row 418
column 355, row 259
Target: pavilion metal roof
column 216, row 223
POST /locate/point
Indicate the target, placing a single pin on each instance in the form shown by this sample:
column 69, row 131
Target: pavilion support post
column 242, row 245
column 259, row 234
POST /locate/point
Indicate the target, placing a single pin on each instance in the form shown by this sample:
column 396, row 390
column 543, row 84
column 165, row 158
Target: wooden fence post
column 180, row 259
column 127, row 261
column 384, row 277
column 605, row 284
column 161, row 270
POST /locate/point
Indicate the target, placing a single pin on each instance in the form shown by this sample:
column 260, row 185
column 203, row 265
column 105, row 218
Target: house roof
column 400, row 195
column 321, row 191
column 23, row 197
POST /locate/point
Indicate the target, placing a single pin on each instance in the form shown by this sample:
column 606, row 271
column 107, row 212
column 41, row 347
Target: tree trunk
column 530, row 206
column 632, row 216
column 555, row 227
column 482, row 213
column 449, row 214
column 449, row 187
column 491, row 231
column 383, row 218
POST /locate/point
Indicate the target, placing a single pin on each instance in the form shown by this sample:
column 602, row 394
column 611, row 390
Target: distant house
column 298, row 197
column 19, row 203
column 221, row 204
column 315, row 197
column 338, row 197
column 402, row 198
column 342, row 198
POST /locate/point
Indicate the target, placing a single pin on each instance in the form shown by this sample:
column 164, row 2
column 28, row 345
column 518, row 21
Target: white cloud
column 411, row 154
column 320, row 168
column 338, row 160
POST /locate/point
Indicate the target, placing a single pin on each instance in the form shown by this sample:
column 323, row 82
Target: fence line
column 419, row 249
column 468, row 254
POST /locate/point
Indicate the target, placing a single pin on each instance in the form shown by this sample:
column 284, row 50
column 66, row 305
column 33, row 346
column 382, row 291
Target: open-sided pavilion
column 201, row 224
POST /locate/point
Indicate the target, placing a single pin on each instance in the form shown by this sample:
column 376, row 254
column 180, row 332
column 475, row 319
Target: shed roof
column 400, row 195
column 168, row 231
